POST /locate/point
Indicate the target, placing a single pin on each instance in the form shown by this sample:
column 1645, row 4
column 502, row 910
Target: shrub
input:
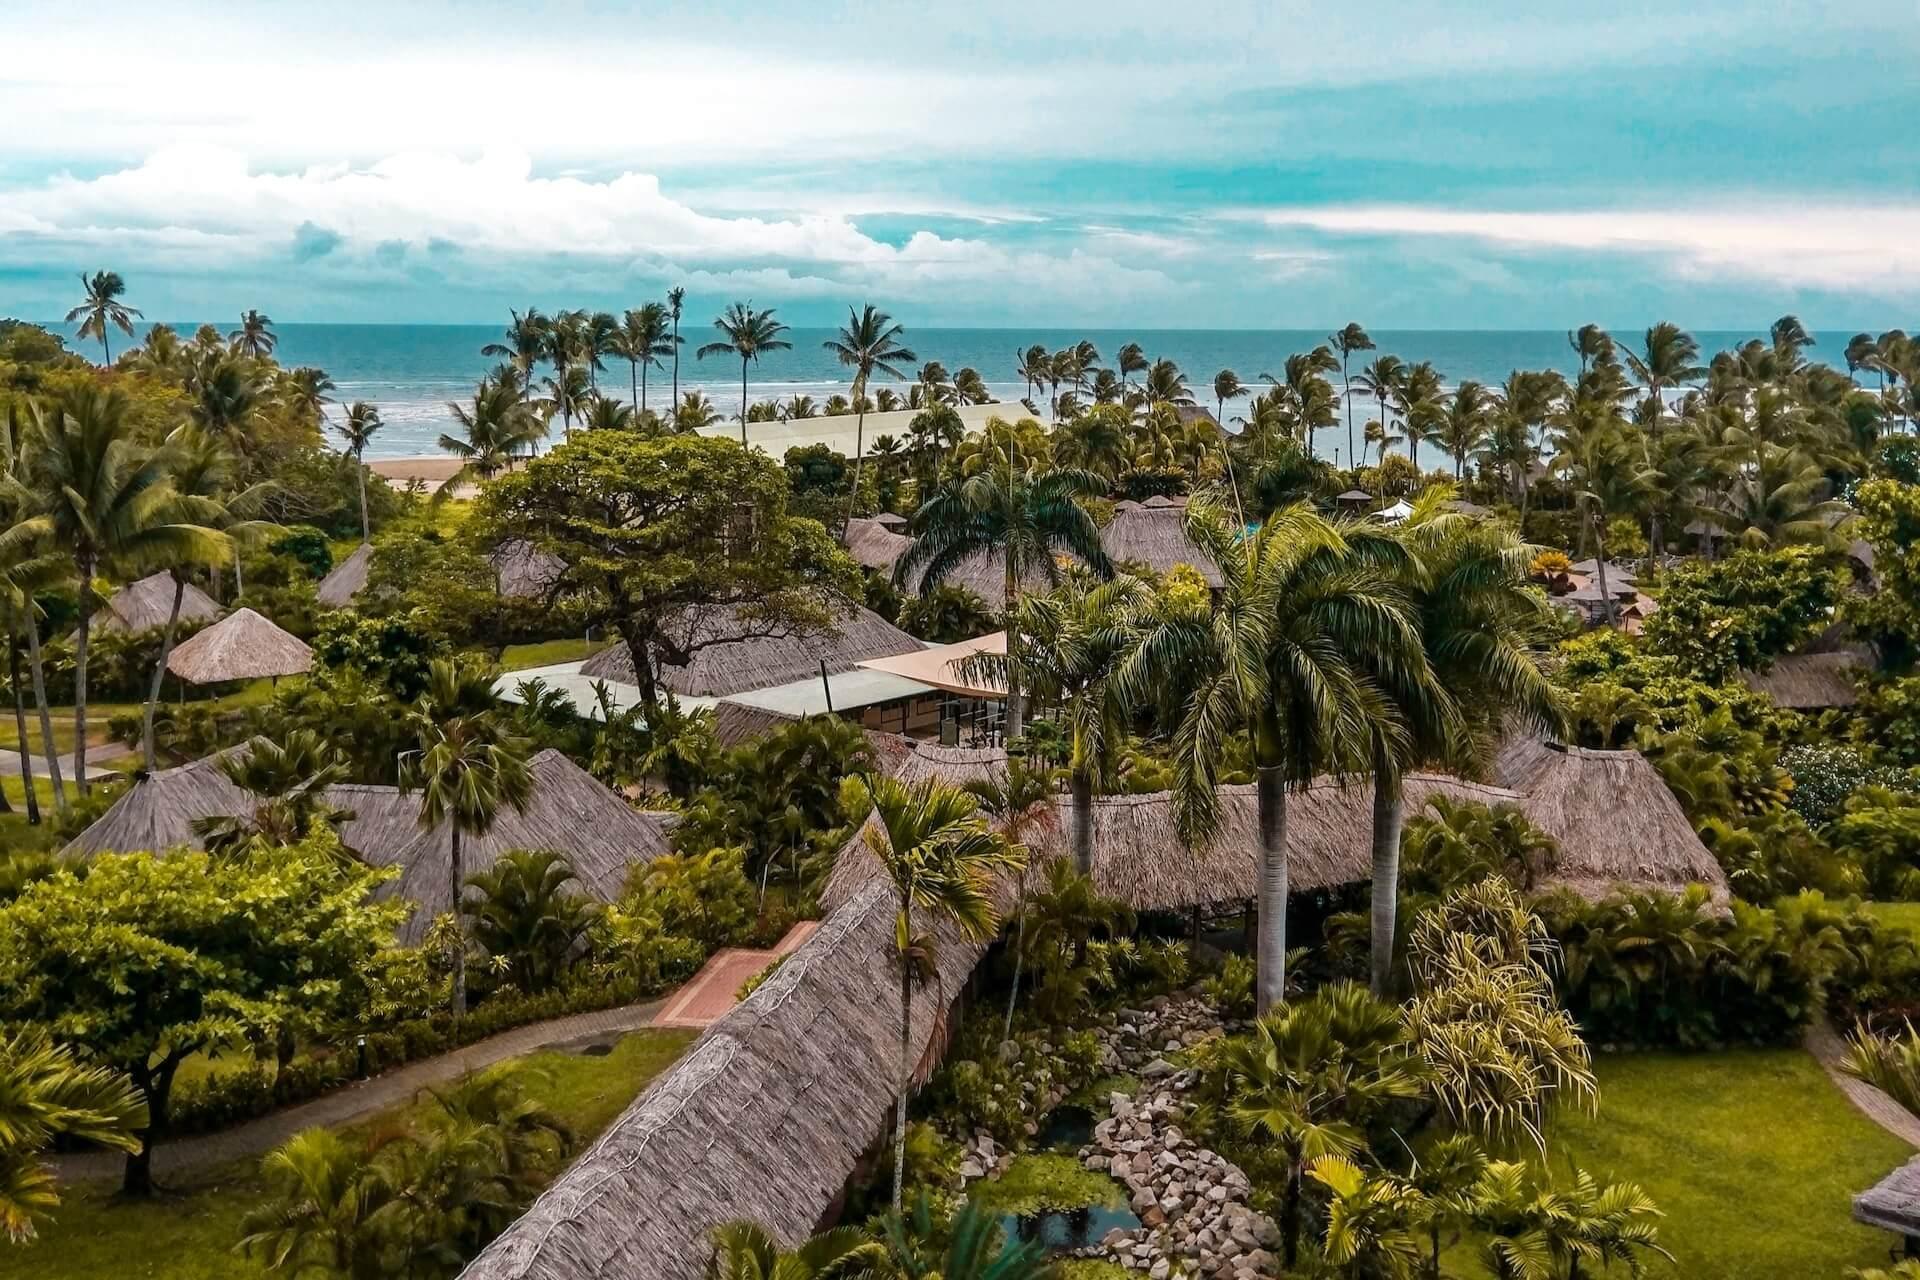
column 1825, row 774
column 759, row 979
column 706, row 897
column 945, row 614
column 1888, row 721
column 1890, row 1063
column 1880, row 831
column 1745, row 610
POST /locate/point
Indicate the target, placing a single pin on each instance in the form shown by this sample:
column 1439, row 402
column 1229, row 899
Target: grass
column 1753, row 1156
column 518, row 657
column 1042, row 1182
column 188, row 1232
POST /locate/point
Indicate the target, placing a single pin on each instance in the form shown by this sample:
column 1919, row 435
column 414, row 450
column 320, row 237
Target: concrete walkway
column 713, row 990
column 1828, row 1049
column 360, row 1100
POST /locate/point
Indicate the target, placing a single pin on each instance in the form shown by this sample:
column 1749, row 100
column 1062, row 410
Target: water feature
column 1064, row 1230
column 1067, row 1129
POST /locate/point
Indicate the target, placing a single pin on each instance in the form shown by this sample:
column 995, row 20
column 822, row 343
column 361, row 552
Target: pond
column 1050, row 1197
column 1064, row 1230
column 1066, row 1129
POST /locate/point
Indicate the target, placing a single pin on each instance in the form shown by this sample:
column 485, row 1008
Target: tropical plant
column 869, row 343
column 1536, row 1231
column 46, row 1091
column 748, row 333
column 357, row 430
column 1019, row 801
column 525, row 918
column 497, row 427
column 974, row 1246
column 646, row 335
column 288, row 785
column 1382, row 378
column 103, row 310
column 525, row 343
column 1349, row 342
column 745, row 1251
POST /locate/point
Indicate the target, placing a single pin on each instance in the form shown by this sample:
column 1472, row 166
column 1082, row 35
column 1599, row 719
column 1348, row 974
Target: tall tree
column 103, row 310
column 498, row 425
column 748, row 334
column 255, row 336
column 940, row 858
column 28, row 563
column 525, row 343
column 676, row 302
column 1226, row 385
column 1591, row 344
column 565, row 334
column 1347, row 342
column 467, row 769
column 1382, row 379
column 1019, row 800
column 1464, row 426
column 645, row 336
column 868, row 343
column 1666, row 359
column 107, row 501
column 1282, row 655
column 357, row 430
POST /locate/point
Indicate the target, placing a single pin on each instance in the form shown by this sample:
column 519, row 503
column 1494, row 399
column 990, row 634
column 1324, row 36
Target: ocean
column 412, row 371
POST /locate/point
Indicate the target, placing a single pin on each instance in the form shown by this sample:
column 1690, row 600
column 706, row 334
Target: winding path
column 359, row 1100
column 1828, row 1049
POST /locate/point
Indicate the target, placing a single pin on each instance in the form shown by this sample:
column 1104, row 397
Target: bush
column 1719, row 616
column 706, row 897
column 1880, row 832
column 946, row 614
column 1889, row 721
column 1824, row 775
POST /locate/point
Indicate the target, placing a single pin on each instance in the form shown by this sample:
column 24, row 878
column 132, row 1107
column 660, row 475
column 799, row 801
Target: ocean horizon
column 413, row 371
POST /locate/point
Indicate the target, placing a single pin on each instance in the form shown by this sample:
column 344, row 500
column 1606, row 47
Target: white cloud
column 1872, row 248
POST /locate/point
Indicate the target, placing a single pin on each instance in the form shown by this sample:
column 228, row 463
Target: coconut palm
column 645, row 336
column 1591, row 344
column 1348, row 341
column 467, row 769
column 868, row 343
column 939, row 857
column 968, row 1246
column 307, row 391
column 695, row 412
column 970, row 388
column 287, row 784
column 525, row 343
column 1129, row 360
column 328, row 1209
column 45, row 1091
column 607, row 413
column 748, row 333
column 1027, row 516
column 1382, row 379
column 106, row 501
column 1595, row 456
column 226, row 392
column 28, row 563
column 1226, row 385
column 1417, row 397
column 1463, row 428
column 1034, row 366
column 676, row 304
column 1019, row 800
column 599, row 336
column 1095, row 441
column 255, row 336
column 498, row 425
column 357, row 430
column 103, row 310
column 1280, row 655
column 1166, row 385
column 1666, row 359
column 744, row 1251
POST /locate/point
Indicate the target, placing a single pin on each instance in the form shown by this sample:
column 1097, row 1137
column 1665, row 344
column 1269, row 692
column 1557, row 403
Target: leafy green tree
column 655, row 532
column 1745, row 610
column 467, row 769
column 745, row 1251
column 526, row 916
column 46, row 1091
column 939, row 857
column 144, row 959
column 1890, row 617
column 746, row 333
column 103, row 310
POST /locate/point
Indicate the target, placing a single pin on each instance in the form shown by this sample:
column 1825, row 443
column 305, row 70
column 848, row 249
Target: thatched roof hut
column 1154, row 533
column 1809, row 681
column 874, row 544
column 521, row 571
column 955, row 766
column 143, row 605
column 765, row 1118
column 738, row 722
column 346, row 580
column 1616, row 573
column 241, row 646
column 738, row 666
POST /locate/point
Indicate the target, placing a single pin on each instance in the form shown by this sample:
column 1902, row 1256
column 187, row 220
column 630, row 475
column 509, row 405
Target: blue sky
column 1495, row 165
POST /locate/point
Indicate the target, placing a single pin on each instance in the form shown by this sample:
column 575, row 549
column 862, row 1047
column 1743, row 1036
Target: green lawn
column 1753, row 1156
column 188, row 1232
column 518, row 657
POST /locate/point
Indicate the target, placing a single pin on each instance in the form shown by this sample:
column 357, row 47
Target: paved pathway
column 711, row 992
column 357, row 1101
column 97, row 757
column 1828, row 1048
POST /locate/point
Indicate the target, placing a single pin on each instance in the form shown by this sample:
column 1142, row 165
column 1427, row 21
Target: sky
column 1495, row 165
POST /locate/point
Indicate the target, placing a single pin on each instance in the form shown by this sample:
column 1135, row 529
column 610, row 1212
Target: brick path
column 359, row 1100
column 710, row 992
column 1828, row 1049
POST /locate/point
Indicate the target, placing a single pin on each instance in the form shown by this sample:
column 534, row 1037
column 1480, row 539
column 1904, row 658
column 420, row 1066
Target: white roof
column 1397, row 512
column 850, row 690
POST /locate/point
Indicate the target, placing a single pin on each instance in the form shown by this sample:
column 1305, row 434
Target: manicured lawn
column 518, row 657
column 188, row 1232
column 1753, row 1156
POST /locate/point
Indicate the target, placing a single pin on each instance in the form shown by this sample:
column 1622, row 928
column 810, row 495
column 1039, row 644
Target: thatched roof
column 1354, row 495
column 874, row 544
column 1893, row 1203
column 1809, row 681
column 891, row 520
column 765, row 1118
column 523, row 571
column 1154, row 534
column 241, row 646
column 738, row 666
column 143, row 605
column 738, row 722
column 346, row 580
column 955, row 766
column 570, row 812
column 1616, row 573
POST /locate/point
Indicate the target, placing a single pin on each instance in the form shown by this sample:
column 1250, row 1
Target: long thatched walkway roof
column 346, row 579
column 765, row 1118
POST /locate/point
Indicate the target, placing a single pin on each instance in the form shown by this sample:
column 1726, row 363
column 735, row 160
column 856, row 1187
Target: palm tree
column 1464, row 427
column 225, row 395
column 103, row 310
column 1095, row 441
column 498, row 425
column 599, row 334
column 45, row 1091
column 1129, row 360
column 1596, row 458
column 1282, row 655
column 287, row 785
column 1418, row 399
column 1532, row 1229
column 1373, row 1221
column 1349, row 340
column 525, row 345
column 676, row 301
column 305, row 390
column 695, row 412
column 467, row 769
column 1591, row 344
column 527, row 917
column 327, row 1209
column 1166, row 385
column 748, row 333
column 1019, row 799
column 28, row 563
column 1027, row 517
column 1226, row 385
column 744, row 1251
column 607, row 413
column 940, row 858
column 643, row 339
column 107, row 501
column 1382, row 379
column 255, row 336
column 968, row 1246
column 970, row 388
column 801, row 407
column 1665, row 360
column 357, row 431
column 867, row 343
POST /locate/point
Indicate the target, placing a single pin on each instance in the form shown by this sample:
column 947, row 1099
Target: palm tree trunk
column 366, row 529
column 460, row 933
column 743, row 403
column 1346, row 399
column 160, row 669
column 859, row 448
column 46, row 717
column 1600, row 564
column 1080, row 786
column 906, row 1058
column 1270, row 984
column 633, row 377
column 20, row 727
column 643, row 388
column 80, row 677
column 1387, row 813
column 1019, row 956
column 1016, row 705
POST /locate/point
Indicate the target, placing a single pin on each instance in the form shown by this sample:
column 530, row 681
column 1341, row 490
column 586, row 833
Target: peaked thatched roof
column 523, row 571
column 1154, row 533
column 570, row 811
column 346, row 580
column 737, row 666
column 143, row 605
column 955, row 766
column 738, row 722
column 874, row 544
column 1616, row 573
column 1809, row 681
column 765, row 1118
column 241, row 646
